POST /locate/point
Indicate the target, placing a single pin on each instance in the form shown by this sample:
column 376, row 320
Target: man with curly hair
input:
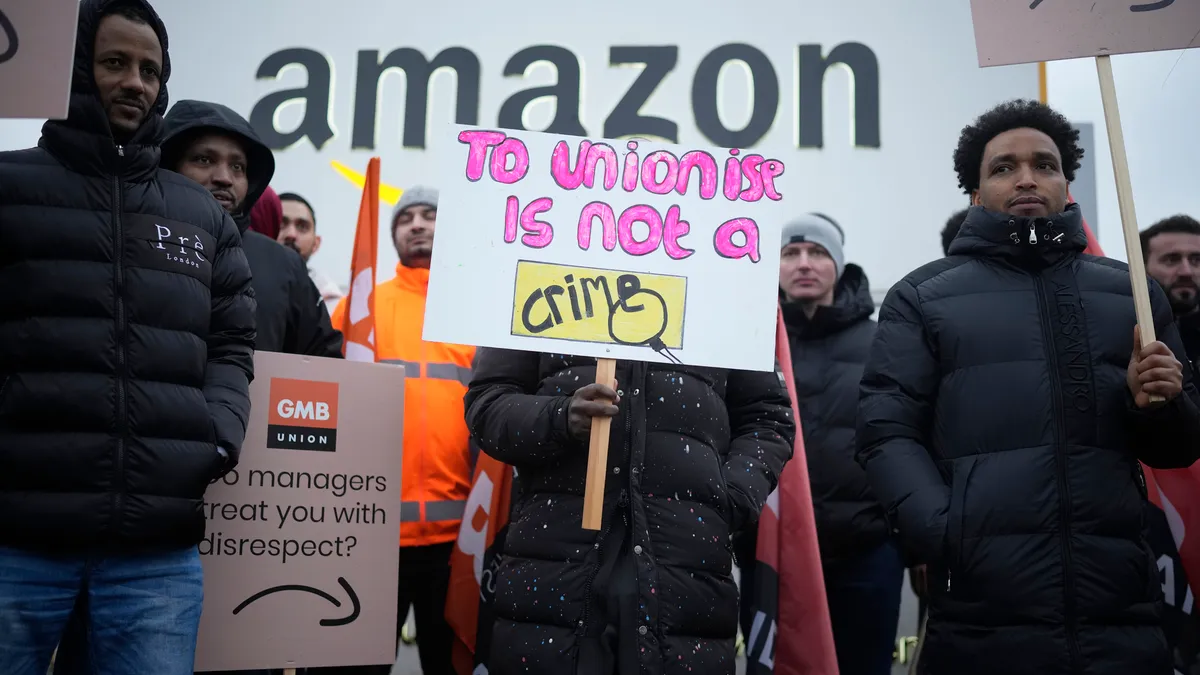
column 1002, row 415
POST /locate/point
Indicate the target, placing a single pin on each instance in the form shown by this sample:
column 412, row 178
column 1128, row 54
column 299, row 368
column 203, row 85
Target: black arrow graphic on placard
column 315, row 591
column 10, row 36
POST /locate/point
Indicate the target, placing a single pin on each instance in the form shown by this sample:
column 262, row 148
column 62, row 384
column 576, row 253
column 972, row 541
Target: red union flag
column 791, row 633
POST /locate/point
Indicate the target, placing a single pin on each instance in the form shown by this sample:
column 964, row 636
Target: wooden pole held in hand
column 593, row 495
column 1133, row 242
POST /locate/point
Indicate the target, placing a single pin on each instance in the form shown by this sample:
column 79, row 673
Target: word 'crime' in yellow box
column 586, row 304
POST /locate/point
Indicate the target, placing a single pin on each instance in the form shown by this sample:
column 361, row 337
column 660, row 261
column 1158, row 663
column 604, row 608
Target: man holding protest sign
column 617, row 557
column 1002, row 412
column 690, row 477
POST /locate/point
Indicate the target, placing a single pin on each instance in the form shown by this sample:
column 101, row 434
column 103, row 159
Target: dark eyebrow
column 1046, row 156
column 1000, row 159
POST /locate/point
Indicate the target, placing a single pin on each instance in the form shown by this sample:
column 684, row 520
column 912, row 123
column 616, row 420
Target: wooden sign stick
column 1133, row 242
column 289, row 671
column 593, row 494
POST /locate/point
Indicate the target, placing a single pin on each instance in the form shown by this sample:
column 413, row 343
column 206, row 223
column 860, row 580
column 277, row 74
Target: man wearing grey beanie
column 437, row 461
column 827, row 310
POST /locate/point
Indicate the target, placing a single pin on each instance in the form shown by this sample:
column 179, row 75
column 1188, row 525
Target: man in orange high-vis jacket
column 437, row 460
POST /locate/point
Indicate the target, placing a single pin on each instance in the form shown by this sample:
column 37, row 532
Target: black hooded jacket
column 126, row 333
column 997, row 429
column 829, row 352
column 693, row 455
column 291, row 316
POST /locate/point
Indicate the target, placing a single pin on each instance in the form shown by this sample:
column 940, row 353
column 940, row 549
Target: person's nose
column 222, row 175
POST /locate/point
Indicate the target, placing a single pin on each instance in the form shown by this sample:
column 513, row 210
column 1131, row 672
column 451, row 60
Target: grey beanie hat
column 417, row 195
column 817, row 228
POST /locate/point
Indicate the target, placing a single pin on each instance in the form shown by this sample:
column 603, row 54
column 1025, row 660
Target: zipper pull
column 1032, row 234
column 947, row 581
column 121, row 150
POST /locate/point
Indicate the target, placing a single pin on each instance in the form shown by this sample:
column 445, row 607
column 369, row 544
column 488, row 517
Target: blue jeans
column 864, row 608
column 140, row 613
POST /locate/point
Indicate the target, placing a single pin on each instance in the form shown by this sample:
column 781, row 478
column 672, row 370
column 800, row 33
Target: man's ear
column 975, row 198
column 316, row 244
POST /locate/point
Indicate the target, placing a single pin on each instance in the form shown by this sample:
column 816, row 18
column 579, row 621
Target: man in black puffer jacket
column 217, row 148
column 1002, row 414
column 126, row 340
column 694, row 453
column 827, row 309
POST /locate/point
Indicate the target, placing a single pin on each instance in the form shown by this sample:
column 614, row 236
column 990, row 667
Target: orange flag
column 358, row 325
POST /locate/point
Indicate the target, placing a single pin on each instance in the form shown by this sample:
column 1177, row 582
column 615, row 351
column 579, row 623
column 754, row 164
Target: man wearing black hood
column 218, row 149
column 1003, row 410
column 125, row 362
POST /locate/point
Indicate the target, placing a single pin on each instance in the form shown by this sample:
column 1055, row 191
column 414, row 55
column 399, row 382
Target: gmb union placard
column 300, row 550
column 623, row 249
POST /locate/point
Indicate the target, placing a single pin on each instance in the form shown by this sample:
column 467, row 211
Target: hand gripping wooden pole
column 1133, row 242
column 597, row 469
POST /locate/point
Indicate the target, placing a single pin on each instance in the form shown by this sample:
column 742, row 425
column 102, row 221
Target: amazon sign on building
column 862, row 100
column 300, row 551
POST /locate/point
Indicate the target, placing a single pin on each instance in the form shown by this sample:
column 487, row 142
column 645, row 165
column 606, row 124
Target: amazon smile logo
column 388, row 194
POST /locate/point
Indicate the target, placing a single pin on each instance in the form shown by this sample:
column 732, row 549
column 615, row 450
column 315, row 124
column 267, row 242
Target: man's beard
column 1186, row 302
column 292, row 245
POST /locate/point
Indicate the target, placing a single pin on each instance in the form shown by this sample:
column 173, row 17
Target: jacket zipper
column 587, row 586
column 122, row 422
column 1064, row 495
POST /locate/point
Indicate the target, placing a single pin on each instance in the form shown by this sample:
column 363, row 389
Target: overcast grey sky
column 1159, row 98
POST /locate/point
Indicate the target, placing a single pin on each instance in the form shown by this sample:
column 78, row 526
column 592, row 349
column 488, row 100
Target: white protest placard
column 1009, row 32
column 629, row 250
column 301, row 552
column 37, row 54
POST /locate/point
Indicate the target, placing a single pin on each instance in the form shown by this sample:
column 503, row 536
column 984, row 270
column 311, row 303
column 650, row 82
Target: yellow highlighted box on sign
column 588, row 304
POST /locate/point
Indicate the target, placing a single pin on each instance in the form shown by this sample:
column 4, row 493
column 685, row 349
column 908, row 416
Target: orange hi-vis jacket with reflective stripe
column 437, row 458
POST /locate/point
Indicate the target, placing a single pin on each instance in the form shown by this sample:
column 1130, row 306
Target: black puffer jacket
column 997, row 429
column 126, row 334
column 693, row 455
column 291, row 315
column 829, row 352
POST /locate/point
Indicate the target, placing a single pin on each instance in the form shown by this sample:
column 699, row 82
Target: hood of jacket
column 84, row 140
column 852, row 302
column 1040, row 240
column 188, row 119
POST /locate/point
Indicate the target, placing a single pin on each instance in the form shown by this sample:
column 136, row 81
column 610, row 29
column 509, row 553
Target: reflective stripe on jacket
column 437, row 459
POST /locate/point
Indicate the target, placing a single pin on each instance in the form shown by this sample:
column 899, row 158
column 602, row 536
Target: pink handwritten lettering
column 650, row 179
column 675, row 229
column 727, row 248
column 750, row 167
column 698, row 159
column 640, row 214
column 629, row 178
column 733, row 177
column 512, row 211
column 538, row 234
column 511, row 148
column 560, row 163
column 608, row 225
column 601, row 152
column 479, row 142
column 770, row 170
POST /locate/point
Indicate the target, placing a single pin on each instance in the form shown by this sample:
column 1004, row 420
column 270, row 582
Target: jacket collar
column 415, row 279
column 1036, row 241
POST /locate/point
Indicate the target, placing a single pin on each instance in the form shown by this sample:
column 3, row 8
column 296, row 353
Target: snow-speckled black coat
column 693, row 455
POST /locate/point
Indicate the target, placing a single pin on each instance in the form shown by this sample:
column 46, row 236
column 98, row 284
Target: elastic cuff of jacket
column 560, row 426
